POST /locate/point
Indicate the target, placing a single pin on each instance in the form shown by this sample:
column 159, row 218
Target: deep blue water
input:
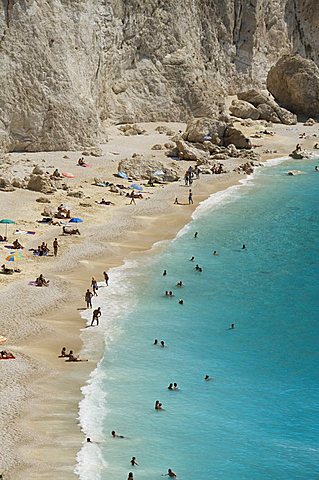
column 258, row 416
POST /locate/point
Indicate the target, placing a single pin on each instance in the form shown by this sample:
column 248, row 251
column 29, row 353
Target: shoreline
column 52, row 402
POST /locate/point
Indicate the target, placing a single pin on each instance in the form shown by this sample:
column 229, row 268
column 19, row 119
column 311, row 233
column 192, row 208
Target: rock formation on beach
column 294, row 82
column 67, row 67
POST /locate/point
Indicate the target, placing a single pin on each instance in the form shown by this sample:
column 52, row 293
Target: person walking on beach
column 132, row 198
column 190, row 197
column 94, row 286
column 106, row 278
column 96, row 315
column 55, row 246
column 88, row 298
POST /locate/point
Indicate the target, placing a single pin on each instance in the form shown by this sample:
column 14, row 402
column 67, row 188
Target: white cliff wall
column 68, row 66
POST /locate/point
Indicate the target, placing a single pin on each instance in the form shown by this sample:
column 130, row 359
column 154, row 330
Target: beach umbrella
column 122, row 175
column 135, row 186
column 159, row 173
column 2, row 339
column 7, row 222
column 76, row 220
column 16, row 256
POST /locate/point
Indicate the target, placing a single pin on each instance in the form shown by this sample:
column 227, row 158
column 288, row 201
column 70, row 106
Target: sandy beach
column 41, row 392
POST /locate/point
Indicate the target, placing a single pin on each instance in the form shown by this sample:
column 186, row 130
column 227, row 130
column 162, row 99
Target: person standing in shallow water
column 96, row 315
column 133, row 461
column 164, row 273
column 88, row 298
column 106, row 278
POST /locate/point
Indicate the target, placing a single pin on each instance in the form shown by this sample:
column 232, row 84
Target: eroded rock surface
column 69, row 67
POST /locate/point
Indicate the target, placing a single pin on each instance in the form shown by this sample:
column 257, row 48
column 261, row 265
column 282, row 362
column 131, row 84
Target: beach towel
column 67, row 175
column 24, row 232
column 12, row 357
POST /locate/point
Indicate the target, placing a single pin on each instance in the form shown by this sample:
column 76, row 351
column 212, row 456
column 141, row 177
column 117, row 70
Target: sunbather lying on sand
column 105, row 202
column 5, row 355
column 72, row 231
column 3, row 239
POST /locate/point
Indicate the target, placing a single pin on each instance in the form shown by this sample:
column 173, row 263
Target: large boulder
column 267, row 113
column 137, row 167
column 188, row 151
column 242, row 109
column 253, row 96
column 40, row 183
column 237, row 138
column 202, row 129
column 294, row 82
column 268, row 109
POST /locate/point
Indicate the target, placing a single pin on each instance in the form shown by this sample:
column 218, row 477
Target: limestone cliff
column 68, row 66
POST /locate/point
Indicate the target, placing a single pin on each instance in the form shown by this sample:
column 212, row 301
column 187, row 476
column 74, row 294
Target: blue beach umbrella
column 123, row 175
column 76, row 220
column 7, row 222
column 135, row 186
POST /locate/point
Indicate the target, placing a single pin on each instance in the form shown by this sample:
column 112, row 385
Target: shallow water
column 258, row 416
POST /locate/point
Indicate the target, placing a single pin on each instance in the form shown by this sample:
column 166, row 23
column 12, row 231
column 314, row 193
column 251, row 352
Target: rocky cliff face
column 68, row 66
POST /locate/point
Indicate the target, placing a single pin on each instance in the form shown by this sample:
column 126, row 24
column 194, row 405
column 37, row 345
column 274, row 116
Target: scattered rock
column 93, row 152
column 65, row 156
column 247, row 168
column 163, row 129
column 43, row 200
column 85, row 204
column 37, row 170
column 294, row 82
column 299, row 154
column 130, row 129
column 75, row 194
column 5, row 185
column 169, row 145
column 18, row 183
column 234, row 136
column 157, row 146
column 310, row 122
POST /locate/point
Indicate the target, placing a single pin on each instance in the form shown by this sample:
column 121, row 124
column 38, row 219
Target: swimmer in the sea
column 155, row 342
column 175, row 386
column 215, row 253
column 196, row 234
column 170, row 474
column 115, row 435
column 181, row 301
column 170, row 386
column 192, row 259
column 133, row 461
column 164, row 273
column 243, row 247
column 231, row 326
column 207, row 378
column 179, row 284
column 162, row 343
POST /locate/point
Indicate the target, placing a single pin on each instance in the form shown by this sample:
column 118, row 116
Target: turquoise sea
column 258, row 416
